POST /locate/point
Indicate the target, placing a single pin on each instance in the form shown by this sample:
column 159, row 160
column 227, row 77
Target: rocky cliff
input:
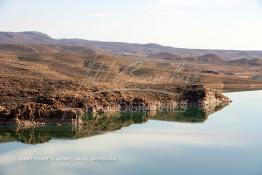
column 70, row 109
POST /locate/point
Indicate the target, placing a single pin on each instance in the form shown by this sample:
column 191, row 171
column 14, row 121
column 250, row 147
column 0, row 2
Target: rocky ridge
column 64, row 109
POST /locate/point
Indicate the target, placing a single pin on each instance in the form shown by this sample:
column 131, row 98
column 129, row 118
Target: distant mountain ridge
column 203, row 58
column 145, row 50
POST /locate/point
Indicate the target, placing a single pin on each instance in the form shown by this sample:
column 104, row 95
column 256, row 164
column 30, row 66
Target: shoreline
column 70, row 109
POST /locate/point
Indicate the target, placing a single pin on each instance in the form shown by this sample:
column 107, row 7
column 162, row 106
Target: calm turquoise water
column 229, row 142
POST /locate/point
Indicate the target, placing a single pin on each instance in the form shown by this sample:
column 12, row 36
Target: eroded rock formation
column 70, row 109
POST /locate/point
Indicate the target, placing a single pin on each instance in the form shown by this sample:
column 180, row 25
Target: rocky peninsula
column 70, row 109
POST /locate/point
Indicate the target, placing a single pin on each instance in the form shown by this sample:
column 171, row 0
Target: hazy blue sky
column 218, row 24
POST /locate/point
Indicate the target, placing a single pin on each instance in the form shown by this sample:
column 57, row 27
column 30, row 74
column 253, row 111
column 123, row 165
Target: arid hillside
column 49, row 79
column 29, row 38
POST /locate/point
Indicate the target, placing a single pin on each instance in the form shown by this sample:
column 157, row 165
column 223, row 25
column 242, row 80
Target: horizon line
column 134, row 43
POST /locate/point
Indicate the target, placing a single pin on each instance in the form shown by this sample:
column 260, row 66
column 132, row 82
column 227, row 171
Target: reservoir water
column 229, row 142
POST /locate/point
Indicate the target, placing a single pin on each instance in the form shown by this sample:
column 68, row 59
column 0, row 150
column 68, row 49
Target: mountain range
column 35, row 41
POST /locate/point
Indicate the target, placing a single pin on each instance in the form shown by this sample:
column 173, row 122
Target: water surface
column 228, row 142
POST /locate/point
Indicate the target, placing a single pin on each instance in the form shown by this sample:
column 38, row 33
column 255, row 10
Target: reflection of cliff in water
column 192, row 114
column 99, row 124
column 92, row 125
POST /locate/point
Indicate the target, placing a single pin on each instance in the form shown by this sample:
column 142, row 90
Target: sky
column 206, row 24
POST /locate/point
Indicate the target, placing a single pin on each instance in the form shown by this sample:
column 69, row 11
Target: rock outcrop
column 69, row 109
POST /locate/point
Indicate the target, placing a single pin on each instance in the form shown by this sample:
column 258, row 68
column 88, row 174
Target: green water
column 228, row 141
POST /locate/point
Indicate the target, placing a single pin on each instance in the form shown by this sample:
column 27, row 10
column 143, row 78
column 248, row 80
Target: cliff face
column 69, row 109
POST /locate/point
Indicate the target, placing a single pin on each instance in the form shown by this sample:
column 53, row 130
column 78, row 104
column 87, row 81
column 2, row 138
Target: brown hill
column 248, row 62
column 210, row 58
column 25, row 38
column 29, row 38
column 165, row 56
